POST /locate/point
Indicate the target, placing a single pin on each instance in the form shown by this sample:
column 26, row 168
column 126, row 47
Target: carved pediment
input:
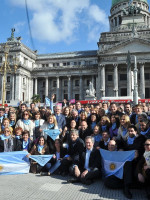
column 134, row 45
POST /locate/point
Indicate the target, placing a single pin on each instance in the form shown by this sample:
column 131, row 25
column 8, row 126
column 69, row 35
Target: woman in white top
column 26, row 123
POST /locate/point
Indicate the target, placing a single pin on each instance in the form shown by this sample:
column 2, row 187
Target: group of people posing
column 84, row 130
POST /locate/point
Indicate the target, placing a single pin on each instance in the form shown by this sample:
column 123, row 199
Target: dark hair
column 26, row 132
column 40, row 138
column 23, row 104
column 133, row 126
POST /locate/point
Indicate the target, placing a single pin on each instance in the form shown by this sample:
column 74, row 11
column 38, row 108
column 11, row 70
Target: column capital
column 102, row 65
column 141, row 64
column 69, row 76
column 115, row 65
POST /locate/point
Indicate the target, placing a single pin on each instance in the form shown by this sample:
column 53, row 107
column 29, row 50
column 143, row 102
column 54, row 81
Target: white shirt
column 87, row 157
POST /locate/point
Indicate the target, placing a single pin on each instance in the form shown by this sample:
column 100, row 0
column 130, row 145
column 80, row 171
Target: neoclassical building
column 68, row 74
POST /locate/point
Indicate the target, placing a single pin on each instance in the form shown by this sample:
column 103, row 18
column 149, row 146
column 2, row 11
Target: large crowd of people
column 84, row 130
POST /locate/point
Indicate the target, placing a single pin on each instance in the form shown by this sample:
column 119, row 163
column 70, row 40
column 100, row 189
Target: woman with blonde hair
column 123, row 129
column 49, row 125
column 104, row 124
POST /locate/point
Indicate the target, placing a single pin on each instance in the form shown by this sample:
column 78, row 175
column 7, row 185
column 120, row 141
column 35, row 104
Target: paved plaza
column 36, row 187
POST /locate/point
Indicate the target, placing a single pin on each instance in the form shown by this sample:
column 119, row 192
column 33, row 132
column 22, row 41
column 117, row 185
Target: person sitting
column 55, row 163
column 104, row 141
column 113, row 181
column 7, row 141
column 75, row 150
column 143, row 168
column 89, row 166
column 40, row 148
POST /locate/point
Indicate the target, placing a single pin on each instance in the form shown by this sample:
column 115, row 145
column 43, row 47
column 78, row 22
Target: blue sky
column 56, row 25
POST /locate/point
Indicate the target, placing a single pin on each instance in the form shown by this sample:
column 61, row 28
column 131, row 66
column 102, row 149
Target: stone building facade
column 68, row 74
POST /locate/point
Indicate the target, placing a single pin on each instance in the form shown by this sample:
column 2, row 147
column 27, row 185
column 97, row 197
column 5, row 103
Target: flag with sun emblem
column 113, row 161
column 14, row 163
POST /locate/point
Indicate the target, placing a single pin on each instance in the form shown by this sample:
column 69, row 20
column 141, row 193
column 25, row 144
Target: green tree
column 36, row 98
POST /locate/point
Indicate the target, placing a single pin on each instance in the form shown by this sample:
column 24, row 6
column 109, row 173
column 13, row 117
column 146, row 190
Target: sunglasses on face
column 25, row 114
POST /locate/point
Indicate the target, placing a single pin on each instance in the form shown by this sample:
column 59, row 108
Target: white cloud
column 60, row 20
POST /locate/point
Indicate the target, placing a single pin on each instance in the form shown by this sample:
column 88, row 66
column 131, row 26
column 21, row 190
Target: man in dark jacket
column 89, row 167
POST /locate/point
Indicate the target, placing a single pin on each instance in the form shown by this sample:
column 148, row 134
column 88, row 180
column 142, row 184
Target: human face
column 23, row 108
column 113, row 108
column 123, row 121
column 6, row 132
column 12, row 117
column 58, row 110
column 143, row 126
column 147, row 145
column 93, row 118
column 132, row 132
column 96, row 130
column 138, row 110
column 18, row 132
column 6, row 109
column 67, row 111
column 89, row 144
column 83, row 126
column 25, row 137
column 26, row 115
column 37, row 116
column 127, row 108
column 50, row 120
column 104, row 106
column 6, row 123
column 57, row 144
column 73, row 124
column 74, row 137
column 74, row 114
column 113, row 119
column 41, row 142
column 32, row 105
column 78, row 106
column 1, row 113
column 83, row 117
column 112, row 145
column 105, row 136
column 87, row 109
column 103, row 121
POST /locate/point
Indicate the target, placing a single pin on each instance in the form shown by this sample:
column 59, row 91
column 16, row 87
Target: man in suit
column 89, row 167
column 61, row 121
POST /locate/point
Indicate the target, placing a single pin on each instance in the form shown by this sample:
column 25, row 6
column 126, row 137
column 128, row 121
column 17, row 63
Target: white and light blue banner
column 41, row 159
column 14, row 163
column 113, row 161
column 53, row 133
column 47, row 101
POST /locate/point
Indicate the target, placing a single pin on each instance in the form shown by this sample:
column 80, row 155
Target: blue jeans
column 53, row 168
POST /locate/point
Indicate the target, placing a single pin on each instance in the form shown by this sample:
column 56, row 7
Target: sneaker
column 45, row 173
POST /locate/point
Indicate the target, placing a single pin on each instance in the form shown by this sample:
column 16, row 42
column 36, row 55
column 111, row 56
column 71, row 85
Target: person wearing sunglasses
column 143, row 168
column 26, row 124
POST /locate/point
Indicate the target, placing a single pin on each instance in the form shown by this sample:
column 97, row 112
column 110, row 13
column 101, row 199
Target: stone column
column 13, row 87
column 69, row 87
column 102, row 89
column 46, row 87
column 81, row 88
column 35, row 86
column 57, row 91
column 142, row 81
column 18, row 94
column 115, row 80
column 129, row 81
column 98, row 83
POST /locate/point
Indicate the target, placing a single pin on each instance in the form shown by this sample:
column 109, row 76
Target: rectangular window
column 66, row 96
column 87, row 82
column 68, row 63
column 57, row 64
column 54, row 84
column 8, row 79
column 76, row 96
column 147, row 76
column 76, row 82
column 65, row 82
column 123, row 77
column 147, row 93
column 0, row 59
column 110, row 78
column 123, row 91
column 8, row 95
column 75, row 63
column 64, row 64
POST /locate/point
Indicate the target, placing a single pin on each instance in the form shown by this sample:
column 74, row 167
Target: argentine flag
column 113, row 161
column 14, row 163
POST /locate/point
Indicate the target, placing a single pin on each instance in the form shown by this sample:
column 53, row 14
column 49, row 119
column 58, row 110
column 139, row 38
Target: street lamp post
column 135, row 99
column 3, row 70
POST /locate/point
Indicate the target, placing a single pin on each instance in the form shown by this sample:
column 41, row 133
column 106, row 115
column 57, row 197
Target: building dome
column 114, row 2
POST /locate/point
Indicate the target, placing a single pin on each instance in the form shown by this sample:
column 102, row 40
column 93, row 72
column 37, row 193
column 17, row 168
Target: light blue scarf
column 124, row 131
column 114, row 126
column 26, row 122
column 3, row 137
column 104, row 128
column 130, row 140
column 40, row 148
column 50, row 126
column 144, row 133
column 37, row 123
column 25, row 144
